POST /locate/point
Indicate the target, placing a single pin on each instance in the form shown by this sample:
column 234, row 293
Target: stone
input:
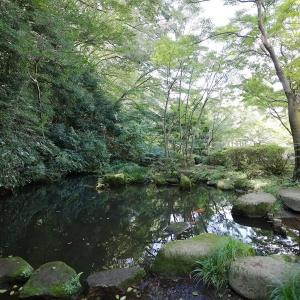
column 177, row 227
column 185, row 183
column 290, row 198
column 177, row 258
column 114, row 281
column 53, row 280
column 254, row 277
column 253, row 205
column 14, row 269
column 114, row 179
column 160, row 180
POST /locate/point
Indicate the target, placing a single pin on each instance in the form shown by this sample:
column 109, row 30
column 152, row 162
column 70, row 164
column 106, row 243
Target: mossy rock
column 177, row 258
column 254, row 205
column 114, row 179
column 14, row 269
column 185, row 183
column 114, row 281
column 160, row 180
column 52, row 280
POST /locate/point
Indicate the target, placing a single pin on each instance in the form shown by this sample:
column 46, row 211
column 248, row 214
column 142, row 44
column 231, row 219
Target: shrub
column 213, row 270
column 216, row 158
column 267, row 158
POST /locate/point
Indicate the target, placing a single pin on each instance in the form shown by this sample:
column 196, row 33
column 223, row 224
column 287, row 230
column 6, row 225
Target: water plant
column 287, row 291
column 213, row 270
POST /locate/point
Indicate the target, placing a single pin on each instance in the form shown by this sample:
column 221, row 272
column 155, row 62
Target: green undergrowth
column 213, row 270
column 133, row 173
column 287, row 291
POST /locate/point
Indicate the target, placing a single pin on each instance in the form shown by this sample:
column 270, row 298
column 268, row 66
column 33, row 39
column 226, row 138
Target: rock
column 113, row 281
column 160, row 180
column 114, row 179
column 253, row 205
column 290, row 198
column 185, row 183
column 14, row 269
column 172, row 180
column 254, row 277
column 177, row 258
column 177, row 227
column 53, row 280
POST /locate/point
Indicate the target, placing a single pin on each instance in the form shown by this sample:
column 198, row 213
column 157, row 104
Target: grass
column 287, row 291
column 213, row 270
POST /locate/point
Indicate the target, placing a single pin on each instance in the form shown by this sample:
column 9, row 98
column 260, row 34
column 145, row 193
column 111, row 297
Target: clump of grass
column 213, row 270
column 287, row 291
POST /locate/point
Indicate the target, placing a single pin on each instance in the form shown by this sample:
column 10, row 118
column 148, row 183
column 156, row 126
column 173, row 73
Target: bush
column 264, row 158
column 216, row 158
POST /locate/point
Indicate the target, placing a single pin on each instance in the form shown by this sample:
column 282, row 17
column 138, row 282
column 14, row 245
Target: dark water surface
column 91, row 231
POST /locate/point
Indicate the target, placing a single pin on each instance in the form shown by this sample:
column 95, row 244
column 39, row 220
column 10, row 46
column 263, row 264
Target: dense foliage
column 84, row 83
column 264, row 158
column 55, row 117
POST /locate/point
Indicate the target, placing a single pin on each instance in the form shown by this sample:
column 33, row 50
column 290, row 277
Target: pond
column 91, row 231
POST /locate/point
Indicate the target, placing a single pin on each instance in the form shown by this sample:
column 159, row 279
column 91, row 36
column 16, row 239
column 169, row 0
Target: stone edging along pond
column 252, row 277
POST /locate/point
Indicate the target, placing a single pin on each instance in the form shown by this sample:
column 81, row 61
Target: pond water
column 91, row 231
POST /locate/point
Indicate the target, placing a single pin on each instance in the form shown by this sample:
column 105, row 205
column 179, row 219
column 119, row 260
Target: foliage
column 213, row 270
column 133, row 173
column 268, row 158
column 287, row 291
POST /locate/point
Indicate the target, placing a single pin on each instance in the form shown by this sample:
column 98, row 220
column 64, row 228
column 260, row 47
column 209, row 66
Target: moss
column 185, row 183
column 259, row 210
column 15, row 269
column 54, row 279
column 177, row 258
column 114, row 179
column 160, row 180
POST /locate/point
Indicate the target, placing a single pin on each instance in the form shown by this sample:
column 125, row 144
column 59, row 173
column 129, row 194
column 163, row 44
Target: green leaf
column 129, row 289
column 117, row 297
column 195, row 293
column 123, row 298
column 3, row 291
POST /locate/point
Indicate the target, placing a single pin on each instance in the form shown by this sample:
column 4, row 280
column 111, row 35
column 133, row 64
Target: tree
column 277, row 40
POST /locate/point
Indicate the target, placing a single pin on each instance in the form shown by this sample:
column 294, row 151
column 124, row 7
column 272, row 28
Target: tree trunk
column 293, row 99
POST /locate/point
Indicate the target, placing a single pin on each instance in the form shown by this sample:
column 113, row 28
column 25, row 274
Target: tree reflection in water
column 90, row 231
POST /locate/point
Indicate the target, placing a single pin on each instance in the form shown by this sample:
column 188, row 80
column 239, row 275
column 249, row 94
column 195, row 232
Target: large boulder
column 114, row 281
column 255, row 277
column 114, row 179
column 53, row 280
column 290, row 198
column 14, row 269
column 253, row 205
column 185, row 183
column 177, row 258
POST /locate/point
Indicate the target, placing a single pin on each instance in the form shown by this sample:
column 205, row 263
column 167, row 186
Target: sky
column 219, row 13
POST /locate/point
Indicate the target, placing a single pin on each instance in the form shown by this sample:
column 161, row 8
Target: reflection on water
column 90, row 231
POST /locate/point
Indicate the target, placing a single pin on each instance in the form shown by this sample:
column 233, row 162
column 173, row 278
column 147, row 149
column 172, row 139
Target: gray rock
column 14, row 269
column 254, row 277
column 113, row 281
column 177, row 227
column 53, row 280
column 177, row 258
column 253, row 205
column 290, row 198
